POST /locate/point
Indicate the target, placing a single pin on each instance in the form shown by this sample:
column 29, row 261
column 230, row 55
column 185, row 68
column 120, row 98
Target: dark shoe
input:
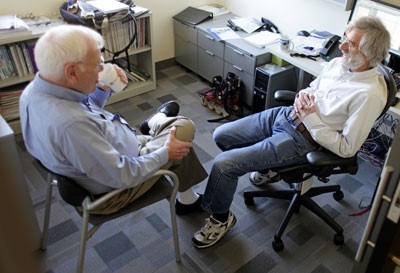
column 170, row 109
column 182, row 209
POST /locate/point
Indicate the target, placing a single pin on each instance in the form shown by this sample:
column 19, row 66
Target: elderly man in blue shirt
column 66, row 127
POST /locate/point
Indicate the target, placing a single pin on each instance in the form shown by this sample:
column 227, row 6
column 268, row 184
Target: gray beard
column 353, row 62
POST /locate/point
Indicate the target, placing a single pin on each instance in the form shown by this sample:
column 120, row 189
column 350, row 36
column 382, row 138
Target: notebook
column 193, row 16
column 263, row 38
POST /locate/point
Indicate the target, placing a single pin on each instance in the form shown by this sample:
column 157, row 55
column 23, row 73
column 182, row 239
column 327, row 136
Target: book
column 22, row 59
column 27, row 57
column 216, row 9
column 223, row 33
column 15, row 59
column 108, row 6
column 30, row 45
column 263, row 38
column 193, row 16
column 248, row 25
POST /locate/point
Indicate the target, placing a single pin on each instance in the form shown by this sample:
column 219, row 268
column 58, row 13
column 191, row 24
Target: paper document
column 263, row 38
column 248, row 25
column 108, row 6
column 223, row 33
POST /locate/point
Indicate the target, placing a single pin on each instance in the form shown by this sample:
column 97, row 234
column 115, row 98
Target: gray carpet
column 142, row 242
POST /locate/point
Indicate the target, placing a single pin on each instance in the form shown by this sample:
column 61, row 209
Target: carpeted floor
column 142, row 241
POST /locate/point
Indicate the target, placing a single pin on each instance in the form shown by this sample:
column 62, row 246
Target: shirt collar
column 57, row 90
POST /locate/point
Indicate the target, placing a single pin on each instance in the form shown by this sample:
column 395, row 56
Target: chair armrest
column 91, row 205
column 285, row 96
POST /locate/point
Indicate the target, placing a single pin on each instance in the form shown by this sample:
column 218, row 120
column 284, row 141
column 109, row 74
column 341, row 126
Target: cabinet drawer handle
column 209, row 37
column 210, row 53
column 237, row 67
column 238, row 52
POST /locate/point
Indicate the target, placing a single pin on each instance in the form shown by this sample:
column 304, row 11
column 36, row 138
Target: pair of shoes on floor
column 262, row 179
column 182, row 209
column 213, row 231
column 170, row 109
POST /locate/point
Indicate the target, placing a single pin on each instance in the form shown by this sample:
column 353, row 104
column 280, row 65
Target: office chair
column 75, row 195
column 320, row 164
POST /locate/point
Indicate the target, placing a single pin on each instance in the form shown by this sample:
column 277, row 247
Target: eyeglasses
column 351, row 44
column 99, row 67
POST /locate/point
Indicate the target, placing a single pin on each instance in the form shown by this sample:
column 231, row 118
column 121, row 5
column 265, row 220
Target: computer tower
column 270, row 78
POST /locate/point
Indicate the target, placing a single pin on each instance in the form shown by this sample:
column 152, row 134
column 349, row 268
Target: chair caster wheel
column 249, row 201
column 338, row 239
column 338, row 195
column 277, row 244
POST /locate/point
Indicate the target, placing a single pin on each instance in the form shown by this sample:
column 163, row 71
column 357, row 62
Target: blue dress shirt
column 72, row 135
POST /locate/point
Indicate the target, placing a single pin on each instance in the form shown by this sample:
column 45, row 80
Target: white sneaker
column 261, row 179
column 213, row 231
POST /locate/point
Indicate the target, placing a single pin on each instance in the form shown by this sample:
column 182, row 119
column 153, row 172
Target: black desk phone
column 331, row 49
column 266, row 25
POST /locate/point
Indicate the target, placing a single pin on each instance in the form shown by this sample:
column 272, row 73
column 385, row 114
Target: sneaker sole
column 274, row 179
column 216, row 241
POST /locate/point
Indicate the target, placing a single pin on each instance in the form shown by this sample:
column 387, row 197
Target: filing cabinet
column 210, row 56
column 198, row 51
column 185, row 38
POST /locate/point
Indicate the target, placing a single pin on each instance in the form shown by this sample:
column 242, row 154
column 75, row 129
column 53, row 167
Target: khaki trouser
column 189, row 170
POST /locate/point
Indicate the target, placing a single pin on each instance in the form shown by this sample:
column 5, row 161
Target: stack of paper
column 263, row 38
column 11, row 25
column 108, row 6
column 223, row 33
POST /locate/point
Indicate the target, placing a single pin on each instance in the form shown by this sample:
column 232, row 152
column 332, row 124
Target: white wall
column 293, row 15
column 289, row 15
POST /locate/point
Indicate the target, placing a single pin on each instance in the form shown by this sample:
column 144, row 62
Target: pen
column 308, row 47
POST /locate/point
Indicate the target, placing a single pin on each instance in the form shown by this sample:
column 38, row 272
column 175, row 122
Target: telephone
column 331, row 49
column 233, row 26
column 268, row 25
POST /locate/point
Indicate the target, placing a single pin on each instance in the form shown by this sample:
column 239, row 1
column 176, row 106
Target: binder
column 193, row 16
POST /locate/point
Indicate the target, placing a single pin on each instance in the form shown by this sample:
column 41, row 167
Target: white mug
column 109, row 77
column 285, row 43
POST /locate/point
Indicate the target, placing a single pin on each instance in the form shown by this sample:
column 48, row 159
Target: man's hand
column 304, row 104
column 176, row 149
column 121, row 74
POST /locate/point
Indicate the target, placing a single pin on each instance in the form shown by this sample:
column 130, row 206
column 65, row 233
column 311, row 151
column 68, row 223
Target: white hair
column 63, row 44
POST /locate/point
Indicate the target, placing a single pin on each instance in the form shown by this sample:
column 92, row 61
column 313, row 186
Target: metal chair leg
column 51, row 182
column 84, row 238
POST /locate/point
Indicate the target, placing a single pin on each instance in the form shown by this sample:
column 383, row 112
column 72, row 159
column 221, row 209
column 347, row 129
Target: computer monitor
column 389, row 12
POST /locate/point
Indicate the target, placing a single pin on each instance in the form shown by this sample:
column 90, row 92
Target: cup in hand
column 285, row 43
column 109, row 77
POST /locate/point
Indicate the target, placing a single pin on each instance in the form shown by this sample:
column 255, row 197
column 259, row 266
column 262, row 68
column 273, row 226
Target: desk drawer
column 246, row 78
column 240, row 59
column 208, row 43
column 209, row 65
column 187, row 33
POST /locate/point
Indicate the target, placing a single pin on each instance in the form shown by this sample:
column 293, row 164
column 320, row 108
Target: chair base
column 296, row 201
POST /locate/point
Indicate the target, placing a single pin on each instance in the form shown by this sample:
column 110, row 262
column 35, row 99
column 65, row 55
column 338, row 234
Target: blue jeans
column 254, row 143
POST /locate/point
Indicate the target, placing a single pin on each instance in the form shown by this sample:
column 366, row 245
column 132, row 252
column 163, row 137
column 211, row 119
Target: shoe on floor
column 182, row 209
column 261, row 179
column 213, row 231
column 170, row 109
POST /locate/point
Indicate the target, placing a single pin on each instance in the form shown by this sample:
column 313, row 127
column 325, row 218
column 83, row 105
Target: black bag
column 224, row 96
column 75, row 18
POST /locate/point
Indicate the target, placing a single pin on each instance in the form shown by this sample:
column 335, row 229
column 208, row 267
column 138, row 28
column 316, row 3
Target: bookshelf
column 140, row 56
